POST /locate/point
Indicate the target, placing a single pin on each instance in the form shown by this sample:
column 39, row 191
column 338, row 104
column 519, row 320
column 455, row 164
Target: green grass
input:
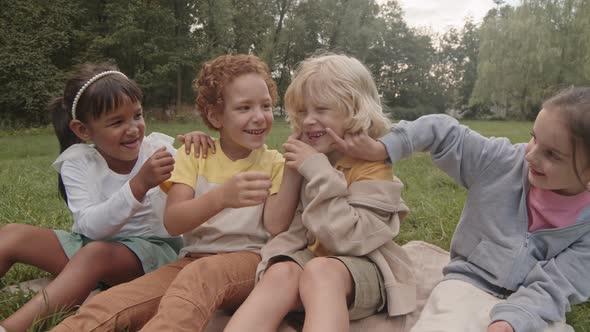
column 28, row 193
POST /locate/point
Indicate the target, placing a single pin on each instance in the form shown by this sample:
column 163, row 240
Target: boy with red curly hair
column 225, row 206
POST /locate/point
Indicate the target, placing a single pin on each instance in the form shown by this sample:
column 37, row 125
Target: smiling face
column 246, row 118
column 549, row 154
column 117, row 135
column 314, row 118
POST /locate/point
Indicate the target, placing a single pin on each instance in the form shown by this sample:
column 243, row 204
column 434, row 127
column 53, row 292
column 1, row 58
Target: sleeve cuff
column 314, row 166
column 520, row 319
column 130, row 198
column 394, row 144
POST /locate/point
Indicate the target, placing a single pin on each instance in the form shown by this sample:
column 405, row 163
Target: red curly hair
column 219, row 72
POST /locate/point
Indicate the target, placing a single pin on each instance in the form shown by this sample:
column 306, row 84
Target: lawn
column 28, row 193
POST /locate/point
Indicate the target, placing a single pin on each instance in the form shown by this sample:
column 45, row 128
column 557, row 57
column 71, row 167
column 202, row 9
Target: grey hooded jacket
column 540, row 273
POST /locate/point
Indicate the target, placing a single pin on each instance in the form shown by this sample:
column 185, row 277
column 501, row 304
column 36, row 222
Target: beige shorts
column 456, row 305
column 369, row 290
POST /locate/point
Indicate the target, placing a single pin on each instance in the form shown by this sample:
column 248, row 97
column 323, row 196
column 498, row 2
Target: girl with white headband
column 111, row 188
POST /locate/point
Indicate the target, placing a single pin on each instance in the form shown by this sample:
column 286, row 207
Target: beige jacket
column 356, row 220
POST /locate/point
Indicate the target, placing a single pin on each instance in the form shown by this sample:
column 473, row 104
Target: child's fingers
column 256, row 196
column 166, row 169
column 341, row 144
column 293, row 145
column 203, row 143
column 360, row 138
column 160, row 152
column 289, row 156
column 258, row 185
column 289, row 147
column 295, row 135
column 252, row 176
column 292, row 164
column 211, row 144
column 180, row 138
column 163, row 160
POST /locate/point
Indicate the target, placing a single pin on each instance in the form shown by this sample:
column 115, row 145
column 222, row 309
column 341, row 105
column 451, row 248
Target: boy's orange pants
column 180, row 296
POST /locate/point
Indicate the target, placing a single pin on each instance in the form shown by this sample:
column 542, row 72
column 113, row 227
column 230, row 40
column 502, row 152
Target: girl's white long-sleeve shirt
column 101, row 200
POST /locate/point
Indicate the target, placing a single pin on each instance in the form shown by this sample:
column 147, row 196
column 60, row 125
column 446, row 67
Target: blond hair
column 340, row 82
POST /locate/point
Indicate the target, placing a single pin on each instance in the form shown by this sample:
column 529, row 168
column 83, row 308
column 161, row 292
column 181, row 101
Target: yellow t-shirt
column 231, row 229
column 356, row 170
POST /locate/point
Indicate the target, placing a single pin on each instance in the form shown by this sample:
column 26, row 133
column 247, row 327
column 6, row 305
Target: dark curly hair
column 219, row 72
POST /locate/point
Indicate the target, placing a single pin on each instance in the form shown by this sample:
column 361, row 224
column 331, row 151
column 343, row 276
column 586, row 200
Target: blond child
column 337, row 261
column 223, row 206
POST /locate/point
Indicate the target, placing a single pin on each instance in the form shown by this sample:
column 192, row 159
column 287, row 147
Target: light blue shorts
column 153, row 252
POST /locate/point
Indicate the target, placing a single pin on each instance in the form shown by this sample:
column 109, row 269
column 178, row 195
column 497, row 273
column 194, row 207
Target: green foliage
column 507, row 66
column 529, row 52
column 34, row 36
column 161, row 44
column 457, row 67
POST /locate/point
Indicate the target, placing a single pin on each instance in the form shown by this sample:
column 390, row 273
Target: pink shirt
column 550, row 210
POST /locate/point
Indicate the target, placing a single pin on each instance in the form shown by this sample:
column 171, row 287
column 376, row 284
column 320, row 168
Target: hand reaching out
column 359, row 145
column 155, row 170
column 296, row 152
column 500, row 326
column 246, row 189
column 199, row 140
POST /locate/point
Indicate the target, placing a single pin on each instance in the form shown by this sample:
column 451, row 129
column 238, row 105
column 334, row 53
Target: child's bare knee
column 323, row 272
column 95, row 255
column 14, row 231
column 283, row 273
column 14, row 235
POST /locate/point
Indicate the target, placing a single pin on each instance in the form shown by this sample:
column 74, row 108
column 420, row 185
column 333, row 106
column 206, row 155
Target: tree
column 35, row 40
column 457, row 70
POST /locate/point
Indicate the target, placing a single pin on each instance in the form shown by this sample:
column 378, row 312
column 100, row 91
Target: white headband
column 87, row 84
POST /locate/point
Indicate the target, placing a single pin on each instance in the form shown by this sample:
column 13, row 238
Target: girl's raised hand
column 296, row 152
column 359, row 145
column 246, row 189
column 199, row 140
column 157, row 168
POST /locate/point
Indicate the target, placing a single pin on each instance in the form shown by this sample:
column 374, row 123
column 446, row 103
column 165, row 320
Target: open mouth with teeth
column 314, row 135
column 255, row 131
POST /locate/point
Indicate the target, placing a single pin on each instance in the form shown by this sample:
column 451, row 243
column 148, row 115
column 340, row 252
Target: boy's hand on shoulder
column 198, row 139
column 157, row 169
column 500, row 326
column 359, row 145
column 246, row 189
column 296, row 152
